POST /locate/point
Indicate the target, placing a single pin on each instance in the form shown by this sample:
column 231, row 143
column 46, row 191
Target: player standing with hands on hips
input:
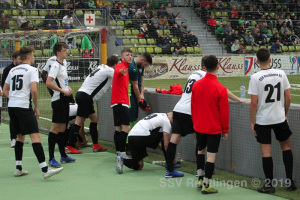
column 270, row 103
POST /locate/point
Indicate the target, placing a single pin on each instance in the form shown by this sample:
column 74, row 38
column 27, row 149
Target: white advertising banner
column 288, row 63
column 183, row 67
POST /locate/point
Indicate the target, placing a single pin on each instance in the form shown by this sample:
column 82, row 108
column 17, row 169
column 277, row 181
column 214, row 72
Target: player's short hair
column 112, row 60
column 263, row 55
column 210, row 62
column 58, row 47
column 126, row 50
column 147, row 56
column 15, row 54
column 25, row 51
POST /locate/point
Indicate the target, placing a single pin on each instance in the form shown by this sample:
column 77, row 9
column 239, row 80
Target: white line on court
column 47, row 119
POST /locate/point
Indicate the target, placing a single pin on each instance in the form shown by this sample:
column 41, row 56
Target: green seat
column 133, row 49
column 190, row 50
column 79, row 12
column 218, row 23
column 128, row 22
column 38, row 53
column 126, row 42
column 127, row 32
column 54, row 2
column 75, row 52
column 12, row 24
column 134, row 41
column 78, row 41
column 97, row 14
column 253, row 23
column 119, row 32
column 255, row 48
column 224, row 22
column 160, row 31
column 135, row 32
column 15, row 12
column 142, row 41
column 284, row 6
column 167, row 31
column 285, row 48
column 275, row 31
column 249, row 48
column 224, row 14
column 272, row 14
column 184, row 49
column 157, row 50
column 218, row 14
column 141, row 50
column 88, row 12
column 120, row 23
column 34, row 13
column 151, row 41
column 43, row 13
column 197, row 49
column 298, row 48
column 292, row 48
column 7, row 12
column 174, row 40
column 149, row 50
column 112, row 22
column 278, row 7
column 46, row 52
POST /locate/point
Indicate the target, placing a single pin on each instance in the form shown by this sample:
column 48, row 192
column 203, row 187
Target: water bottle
column 178, row 157
column 242, row 89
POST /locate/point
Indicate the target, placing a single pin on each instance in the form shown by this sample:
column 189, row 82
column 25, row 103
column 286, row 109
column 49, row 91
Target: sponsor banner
column 290, row 64
column 183, row 67
column 78, row 69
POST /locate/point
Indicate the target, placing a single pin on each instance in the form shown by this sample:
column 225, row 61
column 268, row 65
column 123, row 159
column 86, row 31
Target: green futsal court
column 93, row 176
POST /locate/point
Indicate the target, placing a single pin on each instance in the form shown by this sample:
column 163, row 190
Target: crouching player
column 148, row 132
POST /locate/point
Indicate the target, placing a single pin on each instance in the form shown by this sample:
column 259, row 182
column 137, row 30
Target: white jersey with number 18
column 184, row 104
column 269, row 85
column 19, row 80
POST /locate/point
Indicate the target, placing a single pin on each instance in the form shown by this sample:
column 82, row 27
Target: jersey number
column 189, row 86
column 150, row 116
column 17, row 82
column 270, row 88
column 94, row 72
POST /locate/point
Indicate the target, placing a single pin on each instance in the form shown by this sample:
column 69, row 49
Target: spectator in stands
column 250, row 40
column 83, row 4
column 107, row 9
column 247, row 4
column 276, row 47
column 144, row 30
column 281, row 21
column 168, row 40
column 292, row 6
column 260, row 10
column 205, row 13
column 274, row 38
column 178, row 49
column 86, row 54
column 184, row 40
column 285, row 39
column 170, row 10
column 141, row 11
column 152, row 30
column 68, row 22
column 148, row 9
column 31, row 4
column 242, row 12
column 249, row 14
column 258, row 39
column 72, row 44
column 269, row 6
column 220, row 33
column 50, row 22
column 63, row 12
column 41, row 4
column 29, row 27
column 154, row 20
column 212, row 24
column 227, row 28
column 183, row 28
column 284, row 29
column 91, row 4
column 242, row 30
column 4, row 4
column 124, row 12
column 160, row 40
column 264, row 30
column 289, row 22
column 115, row 11
column 256, row 29
column 100, row 4
column 297, row 28
column 176, row 30
column 219, row 5
column 243, row 49
column 234, row 3
column 234, row 16
column 21, row 21
column 229, row 40
column 86, row 43
column 132, row 11
column 164, row 23
column 294, row 38
column 162, row 10
column 270, row 23
column 235, row 47
column 4, row 23
column 236, row 35
column 178, row 19
column 193, row 40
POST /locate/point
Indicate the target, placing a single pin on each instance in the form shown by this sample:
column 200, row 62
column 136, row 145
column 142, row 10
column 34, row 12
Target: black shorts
column 138, row 145
column 60, row 110
column 85, row 104
column 23, row 120
column 212, row 142
column 281, row 130
column 121, row 115
column 182, row 124
column 133, row 109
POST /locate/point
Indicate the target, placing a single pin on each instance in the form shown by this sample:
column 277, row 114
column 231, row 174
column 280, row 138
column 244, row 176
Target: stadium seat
column 292, row 49
column 197, row 49
column 218, row 23
column 285, row 48
column 134, row 41
column 54, row 2
column 128, row 22
column 249, row 48
column 190, row 50
column 283, row 6
column 253, row 23
column 127, row 32
column 79, row 12
column 88, row 12
column 74, row 52
column 133, row 49
column 184, row 49
column 34, row 13
column 120, row 23
column 8, row 31
column 174, row 40
column 141, row 50
column 78, row 41
column 126, row 42
column 218, row 14
column 297, row 48
column 224, row 14
column 15, row 12
column 167, row 31
column 7, row 12
column 224, row 22
column 119, row 32
column 12, row 24
column 39, row 22
column 160, row 31
column 38, row 53
column 150, row 50
column 112, row 23
column 97, row 14
column 142, row 41
column 43, row 13
column 278, row 7
column 135, row 32
column 275, row 31
column 158, row 50
column 46, row 52
column 272, row 14
column 269, row 47
column 151, row 41
column 255, row 48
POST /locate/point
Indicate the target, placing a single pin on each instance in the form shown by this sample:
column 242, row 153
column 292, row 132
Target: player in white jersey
column 58, row 81
column 270, row 102
column 20, row 85
column 92, row 89
column 183, row 125
column 148, row 132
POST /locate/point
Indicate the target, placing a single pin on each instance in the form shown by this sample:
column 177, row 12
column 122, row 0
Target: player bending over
column 148, row 132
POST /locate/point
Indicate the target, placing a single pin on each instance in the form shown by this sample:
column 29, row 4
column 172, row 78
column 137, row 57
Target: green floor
column 93, row 176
